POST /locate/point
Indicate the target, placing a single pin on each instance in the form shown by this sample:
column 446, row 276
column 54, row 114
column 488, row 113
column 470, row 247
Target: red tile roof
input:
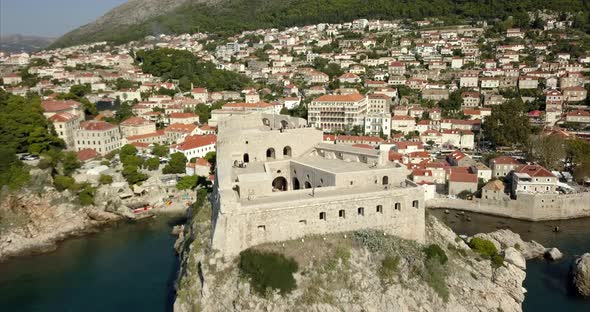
column 504, row 160
column 55, row 106
column 196, row 141
column 134, row 121
column 463, row 177
column 177, row 127
column 355, row 97
column 62, row 117
column 96, row 125
column 86, row 154
column 535, row 171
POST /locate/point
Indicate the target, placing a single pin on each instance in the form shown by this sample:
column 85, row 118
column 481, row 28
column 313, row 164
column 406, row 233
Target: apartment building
column 65, row 125
column 100, row 136
column 338, row 112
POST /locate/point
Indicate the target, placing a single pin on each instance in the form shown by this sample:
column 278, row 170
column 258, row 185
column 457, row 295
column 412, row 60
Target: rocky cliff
column 35, row 220
column 344, row 272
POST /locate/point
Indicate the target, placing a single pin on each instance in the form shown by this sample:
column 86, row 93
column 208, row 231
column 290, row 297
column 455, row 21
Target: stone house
column 502, row 166
column 100, row 136
column 533, row 179
column 461, row 181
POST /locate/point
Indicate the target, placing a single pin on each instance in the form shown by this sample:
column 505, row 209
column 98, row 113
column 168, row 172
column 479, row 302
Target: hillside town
column 455, row 105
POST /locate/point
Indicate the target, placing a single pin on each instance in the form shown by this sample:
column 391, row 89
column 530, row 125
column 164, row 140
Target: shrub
column 497, row 261
column 268, row 270
column 86, row 196
column 435, row 276
column 389, row 266
column 62, row 183
column 105, row 163
column 177, row 164
column 434, row 251
column 483, row 246
column 105, row 179
column 465, row 195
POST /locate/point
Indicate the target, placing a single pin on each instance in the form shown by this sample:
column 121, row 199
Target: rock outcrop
column 553, row 254
column 506, row 238
column 209, row 283
column 581, row 274
column 35, row 222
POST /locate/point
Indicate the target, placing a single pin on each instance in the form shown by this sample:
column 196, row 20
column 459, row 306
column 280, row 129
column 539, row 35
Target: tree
column 548, row 150
column 152, row 163
column 190, row 182
column 13, row 173
column 105, row 179
column 508, row 125
column 177, row 164
column 80, row 90
column 86, row 195
column 70, row 163
column 62, row 183
column 132, row 175
column 160, row 150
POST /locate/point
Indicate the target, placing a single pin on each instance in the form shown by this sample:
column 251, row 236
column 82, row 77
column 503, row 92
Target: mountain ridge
column 138, row 18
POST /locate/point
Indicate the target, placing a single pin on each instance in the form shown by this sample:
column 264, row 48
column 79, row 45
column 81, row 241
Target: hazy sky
column 50, row 18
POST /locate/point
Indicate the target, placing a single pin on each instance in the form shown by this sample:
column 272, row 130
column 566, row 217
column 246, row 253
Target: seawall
column 531, row 207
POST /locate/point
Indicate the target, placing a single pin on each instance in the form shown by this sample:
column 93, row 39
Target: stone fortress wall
column 532, row 207
column 305, row 187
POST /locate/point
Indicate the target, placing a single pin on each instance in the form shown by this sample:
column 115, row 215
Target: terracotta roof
column 535, row 171
column 183, row 115
column 62, row 117
column 134, row 121
column 86, row 154
column 504, row 160
column 56, row 105
column 96, row 125
column 354, row 97
column 177, row 127
column 196, row 141
column 463, row 177
column 146, row 135
column 248, row 105
column 495, row 185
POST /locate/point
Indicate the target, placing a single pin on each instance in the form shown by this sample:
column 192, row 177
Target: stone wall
column 533, row 207
column 249, row 225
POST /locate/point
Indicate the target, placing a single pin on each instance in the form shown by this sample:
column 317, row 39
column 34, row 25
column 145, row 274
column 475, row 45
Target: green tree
column 105, row 179
column 548, row 150
column 13, row 173
column 62, row 183
column 152, row 163
column 86, row 195
column 508, row 125
column 80, row 90
column 70, row 162
column 132, row 175
column 177, row 164
column 190, row 182
column 160, row 150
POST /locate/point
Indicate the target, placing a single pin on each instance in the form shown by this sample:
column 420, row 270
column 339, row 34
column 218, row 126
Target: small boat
column 447, row 211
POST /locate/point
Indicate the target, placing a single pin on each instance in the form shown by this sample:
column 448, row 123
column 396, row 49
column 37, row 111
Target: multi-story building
column 136, row 126
column 554, row 99
column 469, row 80
column 574, row 94
column 66, row 124
column 501, row 166
column 195, row 146
column 100, row 136
column 338, row 112
column 533, row 179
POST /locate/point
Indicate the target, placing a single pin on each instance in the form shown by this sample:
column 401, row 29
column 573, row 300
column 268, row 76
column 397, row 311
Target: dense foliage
column 433, row 251
column 508, row 125
column 184, row 66
column 177, row 164
column 268, row 270
column 487, row 249
column 237, row 15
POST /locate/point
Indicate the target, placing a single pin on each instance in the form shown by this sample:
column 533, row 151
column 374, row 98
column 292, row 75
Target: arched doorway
column 385, row 180
column 307, row 184
column 284, row 124
column 279, row 184
column 287, row 151
column 270, row 153
column 246, row 158
column 296, row 184
column 265, row 121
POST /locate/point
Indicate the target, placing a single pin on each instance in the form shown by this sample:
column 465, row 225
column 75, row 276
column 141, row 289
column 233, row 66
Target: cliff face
column 33, row 221
column 344, row 273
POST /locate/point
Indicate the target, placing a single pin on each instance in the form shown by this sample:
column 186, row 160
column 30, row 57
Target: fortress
column 276, row 180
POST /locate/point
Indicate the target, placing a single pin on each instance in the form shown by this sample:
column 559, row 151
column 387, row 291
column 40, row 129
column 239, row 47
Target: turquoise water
column 130, row 267
column 547, row 283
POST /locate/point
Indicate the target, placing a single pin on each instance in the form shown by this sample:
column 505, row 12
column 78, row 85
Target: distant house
column 460, row 181
column 533, row 179
column 501, row 166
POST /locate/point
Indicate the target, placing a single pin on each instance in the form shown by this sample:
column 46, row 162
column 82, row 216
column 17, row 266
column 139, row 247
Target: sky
column 50, row 18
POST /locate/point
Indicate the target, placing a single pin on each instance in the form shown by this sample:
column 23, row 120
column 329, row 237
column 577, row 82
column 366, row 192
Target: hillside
column 14, row 43
column 137, row 19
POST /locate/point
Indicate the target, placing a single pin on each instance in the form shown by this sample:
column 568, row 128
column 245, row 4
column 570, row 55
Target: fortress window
column 261, row 228
column 398, row 206
column 307, row 184
column 246, row 142
column 342, row 213
column 270, row 153
column 361, row 211
column 379, row 209
column 323, row 216
column 287, row 151
column 416, row 204
column 246, row 158
column 385, row 180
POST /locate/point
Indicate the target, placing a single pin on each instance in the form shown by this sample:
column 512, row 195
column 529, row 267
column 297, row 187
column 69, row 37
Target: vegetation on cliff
column 188, row 69
column 232, row 16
